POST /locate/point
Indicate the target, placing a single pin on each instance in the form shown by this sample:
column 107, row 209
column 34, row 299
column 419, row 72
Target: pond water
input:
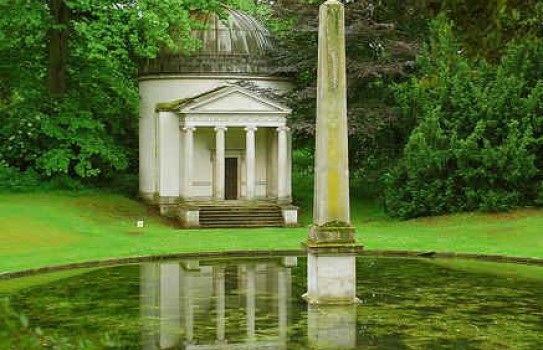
column 256, row 304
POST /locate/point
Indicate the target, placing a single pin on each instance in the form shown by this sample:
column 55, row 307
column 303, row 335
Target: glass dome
column 233, row 43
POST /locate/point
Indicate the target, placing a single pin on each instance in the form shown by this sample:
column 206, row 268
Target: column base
column 189, row 216
column 290, row 215
column 167, row 205
column 149, row 197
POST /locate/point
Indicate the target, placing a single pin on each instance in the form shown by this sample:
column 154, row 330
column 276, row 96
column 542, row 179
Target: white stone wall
column 202, row 173
column 168, row 155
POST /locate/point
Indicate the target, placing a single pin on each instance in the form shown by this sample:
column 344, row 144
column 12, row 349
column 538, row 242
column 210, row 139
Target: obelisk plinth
column 331, row 243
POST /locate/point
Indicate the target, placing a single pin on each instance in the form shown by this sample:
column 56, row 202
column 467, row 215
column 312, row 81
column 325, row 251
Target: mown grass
column 51, row 228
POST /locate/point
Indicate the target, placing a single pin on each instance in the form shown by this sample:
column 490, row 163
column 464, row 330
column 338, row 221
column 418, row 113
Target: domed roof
column 234, row 43
column 238, row 34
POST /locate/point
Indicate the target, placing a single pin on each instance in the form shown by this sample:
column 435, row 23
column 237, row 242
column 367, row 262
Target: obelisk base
column 331, row 273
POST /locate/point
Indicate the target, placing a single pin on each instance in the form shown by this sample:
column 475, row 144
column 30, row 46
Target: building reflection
column 216, row 304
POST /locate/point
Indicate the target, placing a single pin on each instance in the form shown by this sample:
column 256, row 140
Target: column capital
column 283, row 128
column 221, row 128
column 251, row 128
column 188, row 129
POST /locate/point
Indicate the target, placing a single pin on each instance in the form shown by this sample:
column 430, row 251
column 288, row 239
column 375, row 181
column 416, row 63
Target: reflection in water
column 183, row 303
column 256, row 303
column 332, row 327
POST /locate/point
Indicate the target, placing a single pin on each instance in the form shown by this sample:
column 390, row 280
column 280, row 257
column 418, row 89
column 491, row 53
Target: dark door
column 231, row 178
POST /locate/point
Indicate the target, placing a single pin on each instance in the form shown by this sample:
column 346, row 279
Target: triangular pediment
column 228, row 100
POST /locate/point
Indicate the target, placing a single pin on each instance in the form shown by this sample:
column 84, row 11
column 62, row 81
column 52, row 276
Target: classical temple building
column 213, row 153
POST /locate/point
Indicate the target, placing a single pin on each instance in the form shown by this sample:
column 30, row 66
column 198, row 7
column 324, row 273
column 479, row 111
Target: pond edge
column 264, row 253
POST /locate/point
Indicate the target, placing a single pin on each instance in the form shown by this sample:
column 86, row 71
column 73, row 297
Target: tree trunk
column 58, row 46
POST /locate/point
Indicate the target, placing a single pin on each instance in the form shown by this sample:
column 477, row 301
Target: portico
column 225, row 145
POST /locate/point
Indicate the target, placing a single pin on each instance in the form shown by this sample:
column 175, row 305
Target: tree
column 68, row 93
column 478, row 135
column 382, row 41
column 58, row 45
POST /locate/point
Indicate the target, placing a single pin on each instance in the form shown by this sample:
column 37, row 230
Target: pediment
column 229, row 100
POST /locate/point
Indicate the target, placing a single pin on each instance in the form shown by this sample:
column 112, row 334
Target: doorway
column 230, row 178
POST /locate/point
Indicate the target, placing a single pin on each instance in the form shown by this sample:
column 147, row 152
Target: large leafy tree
column 382, row 40
column 68, row 93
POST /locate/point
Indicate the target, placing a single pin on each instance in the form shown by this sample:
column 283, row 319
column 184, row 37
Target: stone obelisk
column 331, row 244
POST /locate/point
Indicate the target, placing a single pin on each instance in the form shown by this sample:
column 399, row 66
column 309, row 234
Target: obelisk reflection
column 331, row 327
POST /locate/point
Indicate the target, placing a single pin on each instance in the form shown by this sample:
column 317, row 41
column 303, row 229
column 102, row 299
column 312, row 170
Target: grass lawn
column 40, row 229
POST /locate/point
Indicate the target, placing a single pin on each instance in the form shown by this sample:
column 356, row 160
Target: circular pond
column 256, row 303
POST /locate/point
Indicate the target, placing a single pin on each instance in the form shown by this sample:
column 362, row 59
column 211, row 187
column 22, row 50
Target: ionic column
column 187, row 160
column 219, row 162
column 250, row 162
column 282, row 164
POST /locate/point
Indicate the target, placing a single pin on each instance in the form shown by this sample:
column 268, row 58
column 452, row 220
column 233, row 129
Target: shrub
column 12, row 180
column 478, row 135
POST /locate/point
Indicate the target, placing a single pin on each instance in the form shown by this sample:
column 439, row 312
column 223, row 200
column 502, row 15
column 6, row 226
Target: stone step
column 223, row 216
column 240, row 224
column 241, row 216
column 214, row 215
column 235, row 210
column 253, row 221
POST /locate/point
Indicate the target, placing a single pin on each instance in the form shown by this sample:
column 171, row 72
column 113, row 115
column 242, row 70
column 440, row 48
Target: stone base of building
column 228, row 214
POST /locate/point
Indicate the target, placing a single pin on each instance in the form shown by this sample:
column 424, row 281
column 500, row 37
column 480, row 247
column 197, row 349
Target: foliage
column 12, row 179
column 16, row 333
column 383, row 38
column 497, row 23
column 381, row 45
column 478, row 130
column 14, row 330
column 89, row 132
column 302, row 178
